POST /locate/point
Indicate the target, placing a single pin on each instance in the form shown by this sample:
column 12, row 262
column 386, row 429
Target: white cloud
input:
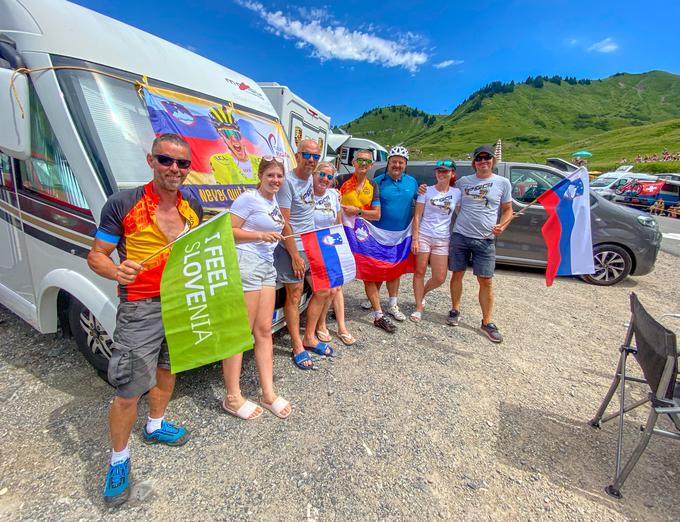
column 340, row 43
column 608, row 45
column 446, row 63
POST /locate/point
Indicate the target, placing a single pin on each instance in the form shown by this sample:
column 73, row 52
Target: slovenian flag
column 330, row 258
column 187, row 116
column 567, row 229
column 380, row 255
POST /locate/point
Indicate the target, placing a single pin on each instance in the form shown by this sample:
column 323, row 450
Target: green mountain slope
column 533, row 122
column 390, row 125
column 609, row 148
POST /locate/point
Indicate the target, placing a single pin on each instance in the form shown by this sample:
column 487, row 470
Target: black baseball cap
column 483, row 148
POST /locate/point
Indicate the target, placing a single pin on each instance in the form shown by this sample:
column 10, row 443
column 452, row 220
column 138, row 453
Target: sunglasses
column 483, row 157
column 307, row 155
column 363, row 161
column 167, row 161
column 273, row 158
column 329, row 177
column 229, row 133
column 446, row 164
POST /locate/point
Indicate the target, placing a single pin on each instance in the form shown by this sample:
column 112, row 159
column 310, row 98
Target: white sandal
column 277, row 407
column 244, row 412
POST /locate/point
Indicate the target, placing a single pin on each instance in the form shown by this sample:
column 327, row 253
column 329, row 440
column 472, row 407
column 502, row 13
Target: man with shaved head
column 296, row 201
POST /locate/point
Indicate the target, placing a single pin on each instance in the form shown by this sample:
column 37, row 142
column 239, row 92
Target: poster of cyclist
column 226, row 142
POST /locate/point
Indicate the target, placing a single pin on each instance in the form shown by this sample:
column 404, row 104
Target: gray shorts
column 482, row 251
column 284, row 266
column 255, row 271
column 138, row 348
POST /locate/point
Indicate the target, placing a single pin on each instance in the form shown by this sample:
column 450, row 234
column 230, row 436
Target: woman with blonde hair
column 327, row 212
column 257, row 223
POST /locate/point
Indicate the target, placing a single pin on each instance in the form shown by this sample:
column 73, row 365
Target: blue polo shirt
column 396, row 201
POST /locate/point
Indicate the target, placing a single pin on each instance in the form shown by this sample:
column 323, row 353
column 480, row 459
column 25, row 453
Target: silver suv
column 625, row 241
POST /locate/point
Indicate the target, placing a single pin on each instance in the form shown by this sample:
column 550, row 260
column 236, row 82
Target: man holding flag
column 138, row 223
column 474, row 233
column 296, row 201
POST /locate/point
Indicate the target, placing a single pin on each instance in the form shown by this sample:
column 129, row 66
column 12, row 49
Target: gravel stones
column 433, row 422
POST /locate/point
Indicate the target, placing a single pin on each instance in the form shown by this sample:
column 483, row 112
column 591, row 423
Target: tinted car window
column 529, row 183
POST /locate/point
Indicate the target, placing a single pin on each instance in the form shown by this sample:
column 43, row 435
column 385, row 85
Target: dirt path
column 431, row 423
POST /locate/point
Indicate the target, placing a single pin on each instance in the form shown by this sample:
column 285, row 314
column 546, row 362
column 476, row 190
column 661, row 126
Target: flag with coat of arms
column 331, row 262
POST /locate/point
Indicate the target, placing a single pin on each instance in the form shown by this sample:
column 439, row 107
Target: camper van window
column 47, row 172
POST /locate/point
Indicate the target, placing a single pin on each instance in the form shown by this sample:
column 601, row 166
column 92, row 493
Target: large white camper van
column 299, row 119
column 74, row 130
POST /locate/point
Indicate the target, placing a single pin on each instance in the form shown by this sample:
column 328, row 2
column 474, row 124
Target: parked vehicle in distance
column 625, row 242
column 343, row 147
column 607, row 184
column 653, row 194
column 70, row 138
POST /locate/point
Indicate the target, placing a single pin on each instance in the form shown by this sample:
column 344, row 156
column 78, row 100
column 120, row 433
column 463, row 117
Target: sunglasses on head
column 364, row 161
column 273, row 158
column 167, row 161
column 230, row 133
column 307, row 155
column 329, row 177
column 483, row 157
column 446, row 164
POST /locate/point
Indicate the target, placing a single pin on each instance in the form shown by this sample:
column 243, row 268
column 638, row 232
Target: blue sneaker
column 168, row 434
column 117, row 489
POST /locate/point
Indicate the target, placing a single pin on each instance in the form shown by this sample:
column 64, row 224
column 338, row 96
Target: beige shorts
column 437, row 247
column 255, row 271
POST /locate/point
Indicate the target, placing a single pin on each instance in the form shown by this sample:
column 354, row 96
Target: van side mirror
column 15, row 126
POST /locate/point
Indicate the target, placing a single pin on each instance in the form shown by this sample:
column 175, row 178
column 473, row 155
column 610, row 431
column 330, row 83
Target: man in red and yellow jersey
column 359, row 196
column 138, row 222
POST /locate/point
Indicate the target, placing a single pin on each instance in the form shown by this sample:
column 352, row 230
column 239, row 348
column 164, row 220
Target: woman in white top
column 327, row 212
column 257, row 223
column 431, row 221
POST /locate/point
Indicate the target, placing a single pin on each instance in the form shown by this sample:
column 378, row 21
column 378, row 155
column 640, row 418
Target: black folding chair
column 655, row 350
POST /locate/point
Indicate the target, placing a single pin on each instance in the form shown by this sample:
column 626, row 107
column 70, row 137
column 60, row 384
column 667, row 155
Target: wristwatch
column 360, row 212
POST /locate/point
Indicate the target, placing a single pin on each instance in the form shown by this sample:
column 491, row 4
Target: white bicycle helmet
column 398, row 150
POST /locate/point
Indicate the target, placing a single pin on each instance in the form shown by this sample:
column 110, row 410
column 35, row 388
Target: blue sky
column 348, row 57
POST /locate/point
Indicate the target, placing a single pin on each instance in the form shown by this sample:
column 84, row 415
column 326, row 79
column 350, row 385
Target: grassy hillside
column 390, row 125
column 557, row 118
column 609, row 148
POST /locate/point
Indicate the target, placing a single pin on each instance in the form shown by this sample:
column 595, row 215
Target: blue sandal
column 323, row 349
column 302, row 357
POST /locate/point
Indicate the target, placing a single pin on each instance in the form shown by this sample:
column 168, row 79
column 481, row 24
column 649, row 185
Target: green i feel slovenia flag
column 204, row 313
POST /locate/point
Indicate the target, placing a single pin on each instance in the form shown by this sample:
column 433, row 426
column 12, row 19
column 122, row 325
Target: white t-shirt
column 298, row 196
column 259, row 215
column 326, row 209
column 439, row 208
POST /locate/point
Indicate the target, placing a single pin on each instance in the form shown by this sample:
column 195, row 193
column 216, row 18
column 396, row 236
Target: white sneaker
column 366, row 305
column 396, row 313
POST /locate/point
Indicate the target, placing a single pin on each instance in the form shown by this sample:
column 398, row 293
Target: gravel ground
column 431, row 423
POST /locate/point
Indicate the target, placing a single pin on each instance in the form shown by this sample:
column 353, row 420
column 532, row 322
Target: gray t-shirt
column 298, row 196
column 479, row 204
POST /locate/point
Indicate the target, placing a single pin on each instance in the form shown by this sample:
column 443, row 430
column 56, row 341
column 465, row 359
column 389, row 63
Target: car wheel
column 91, row 338
column 612, row 265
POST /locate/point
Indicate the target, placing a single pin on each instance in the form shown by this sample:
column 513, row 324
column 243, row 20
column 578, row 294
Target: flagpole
column 164, row 248
column 183, row 234
column 515, row 215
